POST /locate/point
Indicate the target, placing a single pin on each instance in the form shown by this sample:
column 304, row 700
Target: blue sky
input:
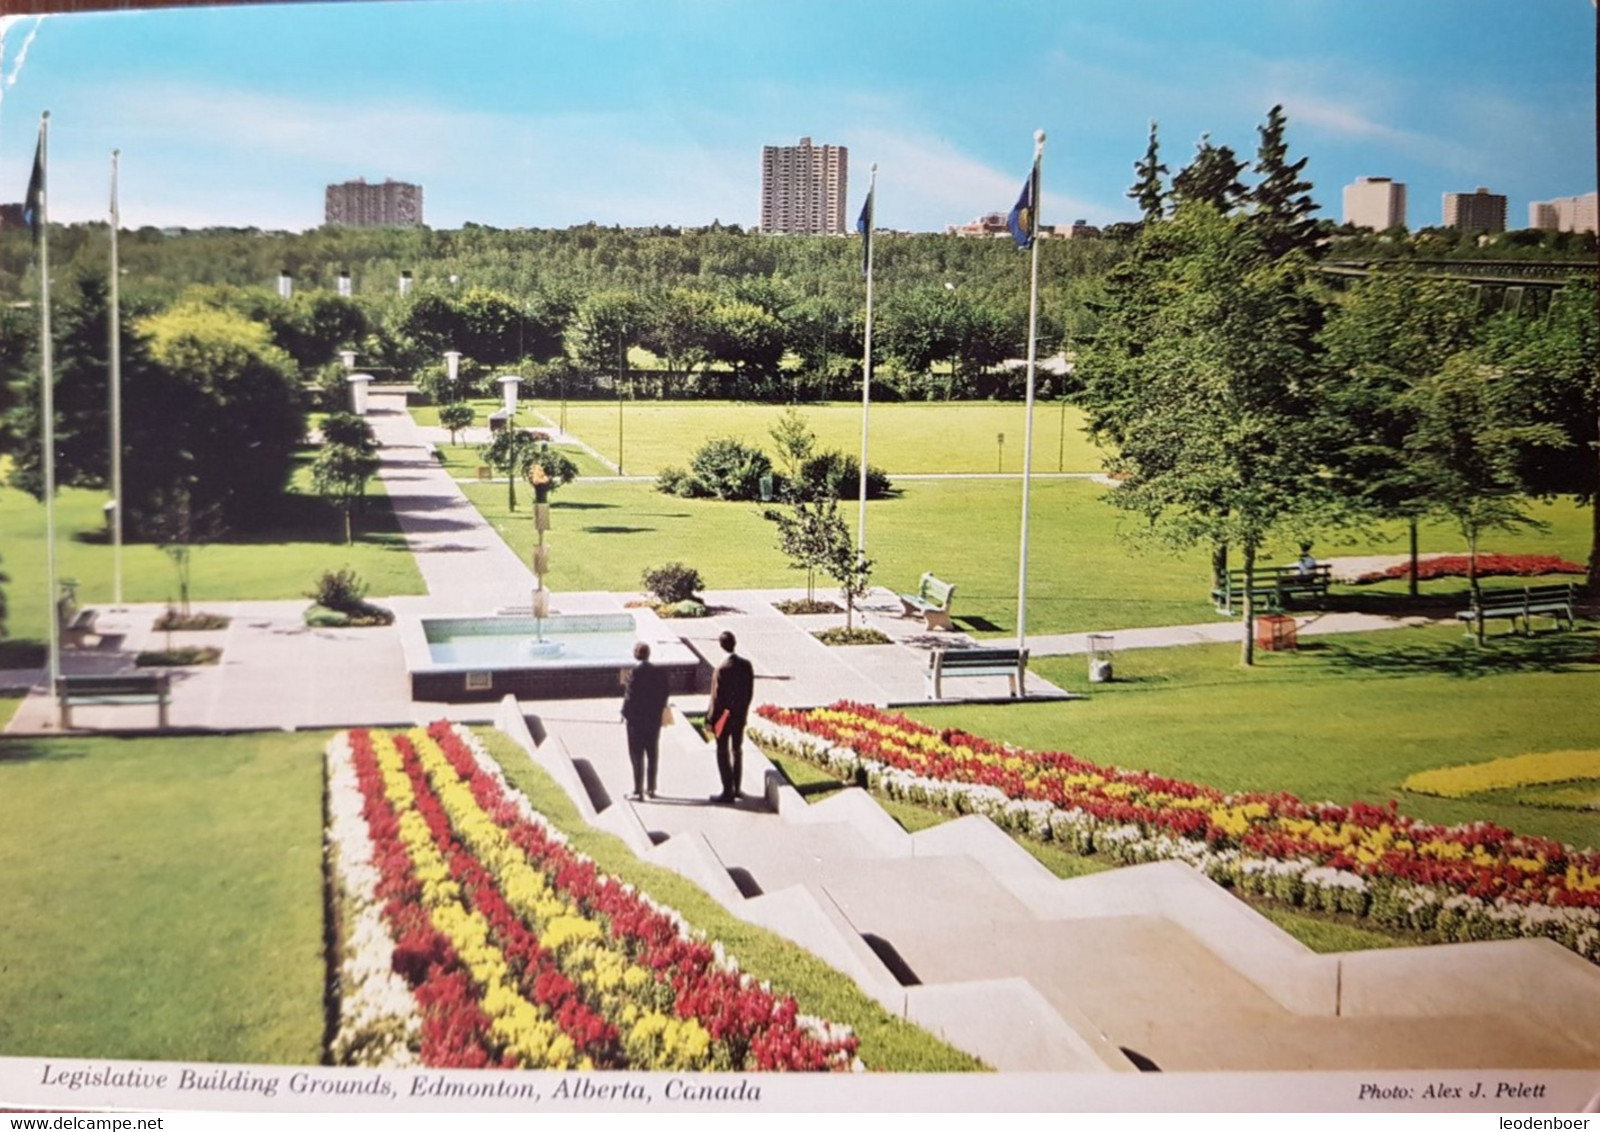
column 546, row 113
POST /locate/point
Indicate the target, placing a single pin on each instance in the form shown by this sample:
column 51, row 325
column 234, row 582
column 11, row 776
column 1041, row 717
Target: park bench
column 931, row 602
column 1554, row 601
column 1010, row 663
column 122, row 688
column 1272, row 587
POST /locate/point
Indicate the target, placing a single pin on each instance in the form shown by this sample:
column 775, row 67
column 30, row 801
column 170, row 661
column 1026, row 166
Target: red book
column 722, row 722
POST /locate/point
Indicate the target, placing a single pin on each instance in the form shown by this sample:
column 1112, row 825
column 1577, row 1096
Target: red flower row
column 1478, row 859
column 1489, row 566
column 753, row 1028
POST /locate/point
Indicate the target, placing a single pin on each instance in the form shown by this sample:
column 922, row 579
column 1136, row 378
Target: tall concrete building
column 1478, row 211
column 1565, row 214
column 1375, row 202
column 804, row 188
column 360, row 205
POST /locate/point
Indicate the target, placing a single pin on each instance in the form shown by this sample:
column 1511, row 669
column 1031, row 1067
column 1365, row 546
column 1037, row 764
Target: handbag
column 666, row 715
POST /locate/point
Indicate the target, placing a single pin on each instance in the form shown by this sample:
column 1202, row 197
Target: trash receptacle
column 1100, row 646
column 1276, row 633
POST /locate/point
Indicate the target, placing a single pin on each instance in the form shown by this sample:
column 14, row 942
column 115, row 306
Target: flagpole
column 116, row 396
column 1033, row 357
column 47, row 403
column 866, row 362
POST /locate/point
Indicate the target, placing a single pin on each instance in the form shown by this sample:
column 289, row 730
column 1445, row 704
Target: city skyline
column 549, row 115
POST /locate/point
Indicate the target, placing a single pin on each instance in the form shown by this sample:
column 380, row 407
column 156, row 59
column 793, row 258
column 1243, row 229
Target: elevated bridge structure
column 1517, row 285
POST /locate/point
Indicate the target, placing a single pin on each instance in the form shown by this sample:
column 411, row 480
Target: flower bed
column 1489, row 566
column 1466, row 882
column 476, row 937
column 1537, row 769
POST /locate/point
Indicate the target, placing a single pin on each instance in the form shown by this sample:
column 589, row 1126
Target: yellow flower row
column 520, row 1026
column 1537, row 769
column 578, row 943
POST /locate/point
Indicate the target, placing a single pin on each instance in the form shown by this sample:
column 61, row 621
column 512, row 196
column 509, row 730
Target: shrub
column 342, row 590
column 838, row 475
column 672, row 583
column 679, row 482
column 688, row 608
column 728, row 468
column 1489, row 566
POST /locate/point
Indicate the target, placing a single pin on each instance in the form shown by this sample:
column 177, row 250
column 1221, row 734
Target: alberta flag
column 33, row 203
column 864, row 226
column 1024, row 214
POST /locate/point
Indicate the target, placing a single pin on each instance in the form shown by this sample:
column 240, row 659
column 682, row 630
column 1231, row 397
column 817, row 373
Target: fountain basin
column 472, row 659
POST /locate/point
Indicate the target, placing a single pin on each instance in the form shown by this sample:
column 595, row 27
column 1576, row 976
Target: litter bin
column 1100, row 645
column 1276, row 633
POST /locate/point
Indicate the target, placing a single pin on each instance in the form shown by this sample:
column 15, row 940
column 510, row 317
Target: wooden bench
column 1011, row 663
column 1272, row 587
column 122, row 688
column 1554, row 601
column 931, row 602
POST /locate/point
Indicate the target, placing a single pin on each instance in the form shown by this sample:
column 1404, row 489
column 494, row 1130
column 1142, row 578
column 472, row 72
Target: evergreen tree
column 1281, row 201
column 1148, row 188
column 1211, row 178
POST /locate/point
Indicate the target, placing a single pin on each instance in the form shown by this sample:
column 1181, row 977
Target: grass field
column 907, row 437
column 163, row 898
column 1081, row 574
column 282, row 561
column 1344, row 718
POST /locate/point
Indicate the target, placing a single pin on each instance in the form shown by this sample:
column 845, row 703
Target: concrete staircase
column 961, row 931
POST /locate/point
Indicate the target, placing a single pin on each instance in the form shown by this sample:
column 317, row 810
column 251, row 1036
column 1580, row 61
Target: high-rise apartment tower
column 804, row 188
column 1375, row 202
column 1479, row 211
column 360, row 205
column 1565, row 214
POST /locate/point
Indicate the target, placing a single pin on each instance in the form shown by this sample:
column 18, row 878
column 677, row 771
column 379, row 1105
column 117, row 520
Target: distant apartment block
column 1565, row 214
column 1477, row 211
column 994, row 224
column 1375, row 202
column 804, row 188
column 360, row 205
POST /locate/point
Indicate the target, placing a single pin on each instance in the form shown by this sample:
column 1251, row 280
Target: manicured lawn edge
column 887, row 1043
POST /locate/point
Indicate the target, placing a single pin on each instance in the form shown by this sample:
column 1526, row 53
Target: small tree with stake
column 809, row 538
column 456, row 416
column 178, row 527
column 852, row 570
column 509, row 453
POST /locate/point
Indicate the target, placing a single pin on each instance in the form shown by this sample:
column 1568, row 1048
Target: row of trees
column 1243, row 401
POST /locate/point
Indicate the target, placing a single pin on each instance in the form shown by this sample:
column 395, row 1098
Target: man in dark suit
column 644, row 698
column 733, row 686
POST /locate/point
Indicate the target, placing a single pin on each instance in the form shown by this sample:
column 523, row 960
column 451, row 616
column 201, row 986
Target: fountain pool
column 571, row 656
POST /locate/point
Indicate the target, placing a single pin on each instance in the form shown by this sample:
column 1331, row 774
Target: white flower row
column 1301, row 881
column 379, row 1024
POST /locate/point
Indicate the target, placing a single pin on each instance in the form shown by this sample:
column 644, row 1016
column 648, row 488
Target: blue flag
column 33, row 203
column 864, row 226
column 1021, row 222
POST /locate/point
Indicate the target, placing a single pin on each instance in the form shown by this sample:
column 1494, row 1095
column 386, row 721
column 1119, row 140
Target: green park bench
column 1010, row 663
column 931, row 602
column 1272, row 587
column 122, row 688
column 1554, row 601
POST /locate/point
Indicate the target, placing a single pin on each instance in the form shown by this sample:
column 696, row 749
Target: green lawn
column 282, row 561
column 1345, row 718
column 163, row 898
column 1082, row 576
column 915, row 437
